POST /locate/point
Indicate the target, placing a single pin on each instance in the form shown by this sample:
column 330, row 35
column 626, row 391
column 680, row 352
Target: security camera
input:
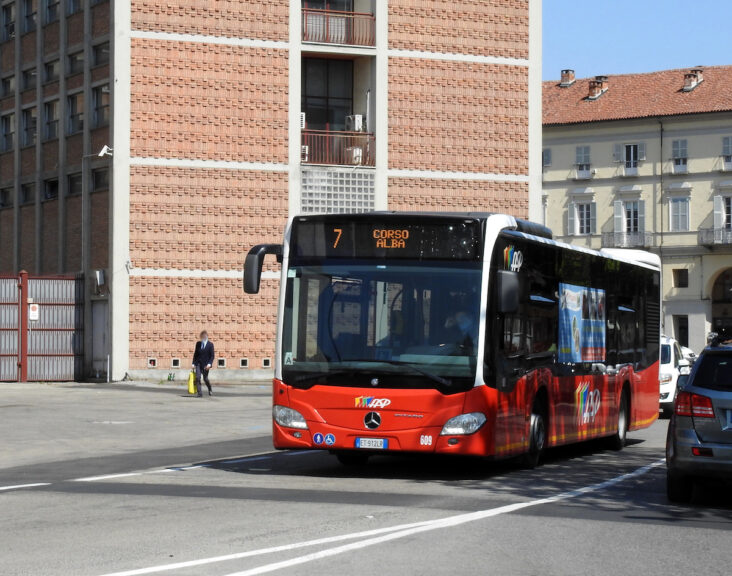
column 105, row 151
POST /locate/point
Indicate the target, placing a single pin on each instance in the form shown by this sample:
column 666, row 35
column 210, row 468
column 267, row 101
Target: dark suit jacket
column 204, row 357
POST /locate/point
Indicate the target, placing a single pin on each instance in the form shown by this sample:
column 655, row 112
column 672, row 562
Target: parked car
column 689, row 354
column 673, row 363
column 699, row 441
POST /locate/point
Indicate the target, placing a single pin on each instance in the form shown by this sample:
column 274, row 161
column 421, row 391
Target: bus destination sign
column 433, row 239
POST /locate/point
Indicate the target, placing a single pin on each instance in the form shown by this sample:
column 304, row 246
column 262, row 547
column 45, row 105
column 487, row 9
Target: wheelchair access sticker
column 330, row 440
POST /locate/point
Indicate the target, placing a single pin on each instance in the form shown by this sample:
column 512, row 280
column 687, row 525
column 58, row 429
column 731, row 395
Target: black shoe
column 209, row 392
column 199, row 395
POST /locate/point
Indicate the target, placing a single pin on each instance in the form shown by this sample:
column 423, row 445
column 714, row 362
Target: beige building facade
column 649, row 167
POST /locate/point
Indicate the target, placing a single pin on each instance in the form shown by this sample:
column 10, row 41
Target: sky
column 595, row 37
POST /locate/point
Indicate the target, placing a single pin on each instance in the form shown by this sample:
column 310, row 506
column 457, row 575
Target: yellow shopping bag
column 192, row 382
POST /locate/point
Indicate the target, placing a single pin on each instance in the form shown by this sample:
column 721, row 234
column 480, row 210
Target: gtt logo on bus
column 512, row 259
column 588, row 403
column 371, row 402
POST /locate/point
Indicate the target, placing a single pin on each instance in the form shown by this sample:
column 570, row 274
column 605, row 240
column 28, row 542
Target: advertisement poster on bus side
column 581, row 324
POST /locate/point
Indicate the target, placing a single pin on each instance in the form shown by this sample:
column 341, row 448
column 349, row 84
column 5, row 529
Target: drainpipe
column 660, row 125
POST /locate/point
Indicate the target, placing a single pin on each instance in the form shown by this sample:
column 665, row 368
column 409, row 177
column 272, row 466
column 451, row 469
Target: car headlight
column 288, row 417
column 463, row 424
column 665, row 378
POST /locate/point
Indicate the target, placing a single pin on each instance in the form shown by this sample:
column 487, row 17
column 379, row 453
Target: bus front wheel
column 537, row 436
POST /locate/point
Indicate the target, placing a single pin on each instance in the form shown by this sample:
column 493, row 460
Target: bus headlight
column 288, row 417
column 463, row 424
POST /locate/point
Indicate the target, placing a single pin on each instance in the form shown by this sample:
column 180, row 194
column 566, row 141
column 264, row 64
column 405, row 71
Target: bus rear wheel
column 352, row 458
column 537, row 437
column 617, row 440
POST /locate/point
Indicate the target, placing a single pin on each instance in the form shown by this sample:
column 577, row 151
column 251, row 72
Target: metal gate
column 9, row 333
column 41, row 328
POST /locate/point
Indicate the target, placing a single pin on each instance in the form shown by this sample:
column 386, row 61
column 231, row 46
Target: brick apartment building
column 226, row 117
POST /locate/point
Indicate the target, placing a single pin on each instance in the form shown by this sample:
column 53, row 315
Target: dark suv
column 699, row 441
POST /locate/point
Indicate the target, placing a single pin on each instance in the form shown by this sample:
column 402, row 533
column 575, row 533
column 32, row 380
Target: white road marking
column 448, row 522
column 272, row 550
column 378, row 535
column 19, row 486
column 246, row 459
column 106, row 477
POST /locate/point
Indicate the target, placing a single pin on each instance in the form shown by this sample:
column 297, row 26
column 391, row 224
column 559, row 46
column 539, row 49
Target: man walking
column 203, row 357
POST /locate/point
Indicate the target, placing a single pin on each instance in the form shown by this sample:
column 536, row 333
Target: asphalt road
column 124, row 479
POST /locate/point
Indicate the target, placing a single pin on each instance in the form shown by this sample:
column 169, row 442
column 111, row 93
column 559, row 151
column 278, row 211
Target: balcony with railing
column 337, row 27
column 715, row 236
column 627, row 240
column 338, row 148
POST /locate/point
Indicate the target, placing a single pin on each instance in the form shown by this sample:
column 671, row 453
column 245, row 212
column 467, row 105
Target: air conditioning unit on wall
column 354, row 123
column 354, row 155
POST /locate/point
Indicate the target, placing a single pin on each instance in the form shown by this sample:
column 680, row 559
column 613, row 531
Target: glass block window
column 333, row 190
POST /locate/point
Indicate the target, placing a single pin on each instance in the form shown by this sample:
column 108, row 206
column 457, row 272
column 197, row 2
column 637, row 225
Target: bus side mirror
column 507, row 287
column 253, row 265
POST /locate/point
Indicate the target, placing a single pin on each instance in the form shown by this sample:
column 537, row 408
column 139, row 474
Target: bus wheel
column 352, row 458
column 537, row 437
column 617, row 440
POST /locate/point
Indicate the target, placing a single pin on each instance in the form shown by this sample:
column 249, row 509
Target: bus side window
column 514, row 335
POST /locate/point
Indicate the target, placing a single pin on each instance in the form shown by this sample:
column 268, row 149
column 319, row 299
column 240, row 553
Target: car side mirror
column 253, row 265
column 507, row 290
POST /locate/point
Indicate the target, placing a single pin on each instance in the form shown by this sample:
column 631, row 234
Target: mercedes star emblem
column 374, row 381
column 372, row 420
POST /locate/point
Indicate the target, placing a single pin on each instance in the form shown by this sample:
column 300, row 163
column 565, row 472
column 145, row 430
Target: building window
column 7, row 87
column 74, row 185
column 679, row 217
column 52, row 11
column 76, row 113
column 100, row 179
column 27, row 194
column 101, row 54
column 629, row 216
column 629, row 155
column 680, row 277
column 52, row 70
column 8, row 21
column 101, row 105
column 679, row 155
column 7, row 125
column 29, row 79
column 73, row 6
column 581, row 218
column 327, row 93
column 6, row 198
column 50, row 114
column 76, row 63
column 29, row 15
column 30, row 122
column 727, row 152
column 546, row 157
column 582, row 161
column 50, row 189
column 728, row 212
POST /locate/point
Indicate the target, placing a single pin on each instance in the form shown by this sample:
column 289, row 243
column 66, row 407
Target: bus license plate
column 372, row 443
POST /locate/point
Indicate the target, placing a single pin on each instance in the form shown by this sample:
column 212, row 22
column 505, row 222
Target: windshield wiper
column 430, row 375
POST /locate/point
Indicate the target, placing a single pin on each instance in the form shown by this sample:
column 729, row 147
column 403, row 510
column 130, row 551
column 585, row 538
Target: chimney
column 692, row 79
column 567, row 78
column 597, row 87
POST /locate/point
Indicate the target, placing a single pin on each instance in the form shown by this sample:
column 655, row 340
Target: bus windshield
column 377, row 324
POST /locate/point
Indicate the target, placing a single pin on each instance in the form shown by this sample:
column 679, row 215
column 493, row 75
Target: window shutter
column 675, row 145
column 618, row 153
column 684, row 152
column 619, row 217
column 641, row 216
column 727, row 146
column 571, row 211
column 578, row 155
column 593, row 218
column 641, row 151
column 718, row 212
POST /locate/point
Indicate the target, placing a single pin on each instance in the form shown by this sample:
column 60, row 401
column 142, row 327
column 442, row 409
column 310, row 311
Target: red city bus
column 457, row 333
